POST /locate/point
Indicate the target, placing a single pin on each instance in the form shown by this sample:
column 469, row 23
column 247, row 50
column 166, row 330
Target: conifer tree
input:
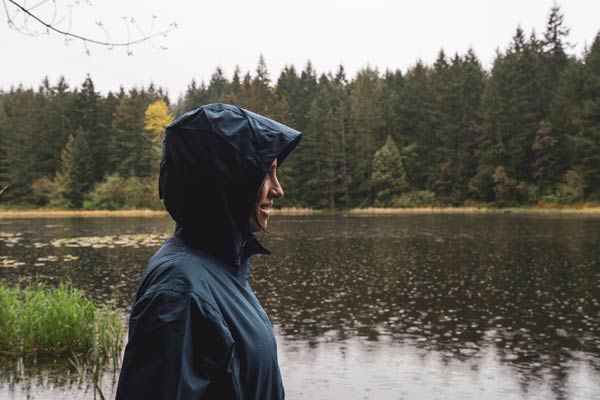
column 132, row 150
column 218, row 87
column 392, row 91
column 545, row 151
column 195, row 96
column 388, row 173
column 69, row 194
column 416, row 115
column 261, row 100
column 21, row 144
column 367, row 131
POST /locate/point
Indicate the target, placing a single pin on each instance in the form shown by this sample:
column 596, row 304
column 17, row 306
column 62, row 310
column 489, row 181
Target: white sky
column 356, row 33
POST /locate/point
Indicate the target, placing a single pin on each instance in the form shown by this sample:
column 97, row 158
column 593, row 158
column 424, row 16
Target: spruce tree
column 388, row 173
column 261, row 100
column 132, row 151
column 21, row 145
column 367, row 132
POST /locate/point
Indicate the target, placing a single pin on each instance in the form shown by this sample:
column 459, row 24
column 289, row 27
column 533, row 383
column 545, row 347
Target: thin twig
column 68, row 35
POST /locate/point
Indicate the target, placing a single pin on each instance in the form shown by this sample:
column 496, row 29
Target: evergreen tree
column 132, row 150
column 287, row 90
column 392, row 91
column 545, row 151
column 416, row 116
column 261, row 99
column 218, row 87
column 88, row 154
column 21, row 146
column 388, row 173
column 367, row 131
column 195, row 96
column 69, row 192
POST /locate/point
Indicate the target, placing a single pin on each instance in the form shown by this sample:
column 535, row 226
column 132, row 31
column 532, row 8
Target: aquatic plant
column 61, row 321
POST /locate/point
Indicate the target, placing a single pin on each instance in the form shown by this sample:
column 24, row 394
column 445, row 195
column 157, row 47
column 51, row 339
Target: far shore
column 58, row 213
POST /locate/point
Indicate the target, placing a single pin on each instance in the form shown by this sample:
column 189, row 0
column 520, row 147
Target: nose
column 276, row 189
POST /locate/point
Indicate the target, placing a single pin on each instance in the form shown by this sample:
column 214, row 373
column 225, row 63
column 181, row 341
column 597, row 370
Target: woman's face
column 270, row 189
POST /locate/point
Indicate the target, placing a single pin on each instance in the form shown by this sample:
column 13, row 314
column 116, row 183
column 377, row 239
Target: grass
column 49, row 213
column 62, row 321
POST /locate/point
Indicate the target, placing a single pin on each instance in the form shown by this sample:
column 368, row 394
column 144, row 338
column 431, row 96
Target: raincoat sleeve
column 178, row 348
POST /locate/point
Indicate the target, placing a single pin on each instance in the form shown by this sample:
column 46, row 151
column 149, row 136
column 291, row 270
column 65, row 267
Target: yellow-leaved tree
column 156, row 117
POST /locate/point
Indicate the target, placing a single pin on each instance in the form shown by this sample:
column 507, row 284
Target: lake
column 432, row 306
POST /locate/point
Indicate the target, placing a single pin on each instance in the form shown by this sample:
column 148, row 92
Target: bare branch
column 52, row 26
column 4, row 188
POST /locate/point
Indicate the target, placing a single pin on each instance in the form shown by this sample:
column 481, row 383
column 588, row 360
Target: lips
column 265, row 208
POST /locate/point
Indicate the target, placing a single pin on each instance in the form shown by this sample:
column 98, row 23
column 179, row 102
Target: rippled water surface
column 496, row 306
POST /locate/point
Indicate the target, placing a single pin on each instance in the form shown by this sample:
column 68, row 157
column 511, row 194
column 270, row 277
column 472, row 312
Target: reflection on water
column 415, row 306
column 50, row 379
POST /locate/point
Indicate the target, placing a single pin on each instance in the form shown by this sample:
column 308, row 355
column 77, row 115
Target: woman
column 196, row 329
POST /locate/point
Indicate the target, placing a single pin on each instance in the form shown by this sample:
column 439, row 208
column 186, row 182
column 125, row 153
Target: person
column 196, row 329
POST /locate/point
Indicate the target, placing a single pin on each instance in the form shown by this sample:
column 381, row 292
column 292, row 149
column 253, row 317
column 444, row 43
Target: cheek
column 265, row 191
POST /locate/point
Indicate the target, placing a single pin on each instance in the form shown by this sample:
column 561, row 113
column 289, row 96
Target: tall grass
column 50, row 213
column 62, row 321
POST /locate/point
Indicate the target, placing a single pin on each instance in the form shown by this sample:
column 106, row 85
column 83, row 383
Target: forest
column 525, row 132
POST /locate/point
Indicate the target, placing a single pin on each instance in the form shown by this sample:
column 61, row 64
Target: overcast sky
column 355, row 33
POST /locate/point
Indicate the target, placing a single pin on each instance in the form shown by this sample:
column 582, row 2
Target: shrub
column 419, row 198
column 115, row 192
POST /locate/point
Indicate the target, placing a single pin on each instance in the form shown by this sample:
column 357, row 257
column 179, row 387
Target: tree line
column 450, row 133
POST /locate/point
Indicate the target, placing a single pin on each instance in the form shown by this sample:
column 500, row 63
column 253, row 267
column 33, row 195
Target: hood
column 213, row 162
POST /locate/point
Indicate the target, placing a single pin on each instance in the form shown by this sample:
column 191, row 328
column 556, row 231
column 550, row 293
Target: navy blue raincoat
column 196, row 329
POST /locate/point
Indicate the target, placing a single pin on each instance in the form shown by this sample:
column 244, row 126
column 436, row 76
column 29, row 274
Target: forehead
column 273, row 164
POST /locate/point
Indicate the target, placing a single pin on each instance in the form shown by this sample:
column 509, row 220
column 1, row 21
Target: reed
column 49, row 213
column 62, row 321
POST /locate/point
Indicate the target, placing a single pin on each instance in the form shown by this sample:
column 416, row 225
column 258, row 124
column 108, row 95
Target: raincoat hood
column 213, row 163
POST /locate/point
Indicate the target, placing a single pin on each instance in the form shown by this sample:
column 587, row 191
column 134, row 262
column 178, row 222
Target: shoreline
column 476, row 210
column 43, row 213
